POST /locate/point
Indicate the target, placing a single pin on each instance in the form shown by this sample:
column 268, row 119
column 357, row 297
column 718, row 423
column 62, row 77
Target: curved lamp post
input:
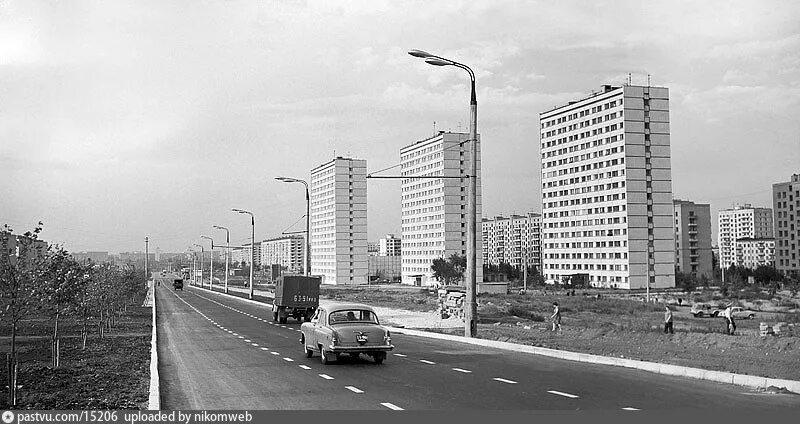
column 308, row 219
column 211, row 277
column 227, row 245
column 202, row 256
column 252, row 246
column 471, row 314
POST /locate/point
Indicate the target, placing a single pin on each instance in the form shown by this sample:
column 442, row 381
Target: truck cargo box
column 297, row 291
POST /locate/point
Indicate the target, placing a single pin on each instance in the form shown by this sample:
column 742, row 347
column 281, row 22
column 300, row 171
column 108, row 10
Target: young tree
column 449, row 271
column 60, row 286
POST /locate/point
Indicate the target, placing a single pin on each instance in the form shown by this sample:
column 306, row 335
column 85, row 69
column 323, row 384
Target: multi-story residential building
column 373, row 248
column 754, row 252
column 390, row 246
column 607, row 190
column 339, row 221
column 738, row 223
column 241, row 255
column 693, row 253
column 434, row 210
column 96, row 257
column 786, row 206
column 515, row 240
column 288, row 252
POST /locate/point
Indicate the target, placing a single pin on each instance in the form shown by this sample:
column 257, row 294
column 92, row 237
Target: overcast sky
column 126, row 119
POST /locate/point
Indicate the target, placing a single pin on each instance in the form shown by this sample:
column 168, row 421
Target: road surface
column 218, row 352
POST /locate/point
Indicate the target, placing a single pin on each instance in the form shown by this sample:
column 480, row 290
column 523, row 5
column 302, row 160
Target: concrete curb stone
column 154, row 401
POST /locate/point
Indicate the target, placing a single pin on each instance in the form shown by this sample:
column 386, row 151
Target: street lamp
column 227, row 245
column 308, row 219
column 471, row 314
column 252, row 246
column 202, row 256
column 194, row 258
column 211, row 277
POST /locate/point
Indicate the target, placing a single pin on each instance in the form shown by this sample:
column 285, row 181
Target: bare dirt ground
column 617, row 324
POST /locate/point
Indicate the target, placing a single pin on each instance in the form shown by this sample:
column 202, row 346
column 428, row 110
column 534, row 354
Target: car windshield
column 353, row 315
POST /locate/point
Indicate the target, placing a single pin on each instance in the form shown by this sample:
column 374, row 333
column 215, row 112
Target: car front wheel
column 323, row 356
column 751, row 316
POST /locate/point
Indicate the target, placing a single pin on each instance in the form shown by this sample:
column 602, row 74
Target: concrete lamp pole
column 202, row 256
column 471, row 313
column 211, row 277
column 308, row 219
column 252, row 246
column 227, row 245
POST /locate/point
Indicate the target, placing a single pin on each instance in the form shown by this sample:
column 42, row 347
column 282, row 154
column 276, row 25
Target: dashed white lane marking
column 241, row 337
column 326, row 376
column 425, row 361
column 288, row 359
column 254, row 344
column 503, row 380
column 354, row 389
column 247, row 340
column 462, row 370
column 556, row 392
column 275, row 353
column 399, row 354
column 392, row 406
column 264, row 348
column 305, row 367
column 628, row 408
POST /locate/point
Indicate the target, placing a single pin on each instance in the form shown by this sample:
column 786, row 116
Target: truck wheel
column 379, row 357
column 274, row 317
column 282, row 320
column 699, row 315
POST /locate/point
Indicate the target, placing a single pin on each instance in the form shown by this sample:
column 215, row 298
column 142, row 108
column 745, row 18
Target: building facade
column 385, row 268
column 739, row 223
column 754, row 252
column 241, row 255
column 339, row 221
column 514, row 240
column 693, row 254
column 607, row 190
column 390, row 246
column 786, row 207
column 434, row 209
column 288, row 252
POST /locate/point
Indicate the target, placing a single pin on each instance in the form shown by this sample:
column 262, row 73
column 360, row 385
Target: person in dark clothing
column 668, row 321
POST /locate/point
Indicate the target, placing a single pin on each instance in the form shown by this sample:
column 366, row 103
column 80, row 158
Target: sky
column 130, row 119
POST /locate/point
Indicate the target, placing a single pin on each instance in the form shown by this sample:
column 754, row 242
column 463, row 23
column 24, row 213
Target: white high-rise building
column 607, row 190
column 389, row 246
column 288, row 252
column 434, row 210
column 515, row 240
column 739, row 223
column 339, row 221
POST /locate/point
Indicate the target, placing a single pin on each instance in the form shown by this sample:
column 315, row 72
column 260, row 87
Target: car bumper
column 360, row 349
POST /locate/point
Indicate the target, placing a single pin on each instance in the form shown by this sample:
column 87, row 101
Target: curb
column 154, row 402
column 655, row 367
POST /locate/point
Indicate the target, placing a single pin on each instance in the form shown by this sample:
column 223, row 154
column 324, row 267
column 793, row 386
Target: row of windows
column 587, row 222
column 583, row 124
column 582, row 168
column 586, row 200
column 592, row 278
column 587, row 134
column 583, row 212
column 425, row 218
column 425, row 210
column 419, row 184
column 437, row 199
column 423, row 193
column 423, row 159
column 582, row 113
column 586, row 244
column 585, row 178
column 420, row 152
column 588, row 267
column 585, row 255
column 585, row 189
column 783, row 194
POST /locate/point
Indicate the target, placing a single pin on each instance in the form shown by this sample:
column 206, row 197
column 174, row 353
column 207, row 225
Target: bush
column 522, row 312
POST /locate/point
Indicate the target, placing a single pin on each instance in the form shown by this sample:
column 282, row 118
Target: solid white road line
column 503, row 380
column 628, row 408
column 399, row 354
column 392, row 406
column 305, row 367
column 425, row 361
column 461, row 370
column 556, row 392
column 326, row 376
column 354, row 389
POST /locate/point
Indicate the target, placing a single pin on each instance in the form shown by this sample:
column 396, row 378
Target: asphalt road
column 218, row 352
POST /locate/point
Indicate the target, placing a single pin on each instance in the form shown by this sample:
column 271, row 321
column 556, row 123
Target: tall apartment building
column 288, row 252
column 786, row 206
column 514, row 240
column 738, row 223
column 693, row 253
column 339, row 221
column 434, row 210
column 607, row 190
column 390, row 246
column 754, row 252
column 242, row 255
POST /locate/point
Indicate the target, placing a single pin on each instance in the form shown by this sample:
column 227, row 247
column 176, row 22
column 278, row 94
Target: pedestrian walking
column 556, row 317
column 668, row 321
column 730, row 325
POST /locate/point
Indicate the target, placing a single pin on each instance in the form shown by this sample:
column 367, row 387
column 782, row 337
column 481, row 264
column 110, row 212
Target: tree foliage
column 449, row 271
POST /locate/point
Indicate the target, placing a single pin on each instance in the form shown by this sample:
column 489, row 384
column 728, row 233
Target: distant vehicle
column 350, row 328
column 177, row 284
column 700, row 310
column 296, row 296
column 739, row 312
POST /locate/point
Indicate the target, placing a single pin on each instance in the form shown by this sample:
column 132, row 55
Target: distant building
column 386, row 268
column 288, row 252
column 241, row 255
column 434, row 210
column 515, row 240
column 96, row 257
column 390, row 246
column 786, row 207
column 339, row 221
column 754, row 252
column 373, row 248
column 741, row 222
column 12, row 246
column 607, row 190
column 693, row 253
